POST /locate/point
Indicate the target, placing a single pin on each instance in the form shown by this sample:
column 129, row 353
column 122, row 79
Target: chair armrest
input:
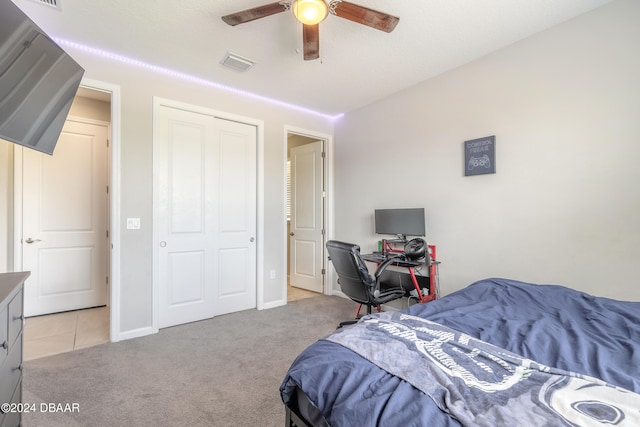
column 381, row 268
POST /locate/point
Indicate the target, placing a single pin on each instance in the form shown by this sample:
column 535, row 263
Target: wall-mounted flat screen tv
column 38, row 81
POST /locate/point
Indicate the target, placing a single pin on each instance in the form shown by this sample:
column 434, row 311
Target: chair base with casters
column 354, row 278
column 358, row 316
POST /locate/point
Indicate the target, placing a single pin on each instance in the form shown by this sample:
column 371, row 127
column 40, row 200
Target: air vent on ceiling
column 56, row 4
column 236, row 62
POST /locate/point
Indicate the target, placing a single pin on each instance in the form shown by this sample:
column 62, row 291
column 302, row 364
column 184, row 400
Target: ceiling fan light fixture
column 310, row 12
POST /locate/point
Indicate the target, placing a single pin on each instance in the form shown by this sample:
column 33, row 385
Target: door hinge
column 107, row 234
column 322, row 232
column 107, row 280
column 323, row 154
column 107, row 142
column 324, row 271
column 107, row 189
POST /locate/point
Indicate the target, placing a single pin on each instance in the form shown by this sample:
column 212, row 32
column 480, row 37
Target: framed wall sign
column 480, row 156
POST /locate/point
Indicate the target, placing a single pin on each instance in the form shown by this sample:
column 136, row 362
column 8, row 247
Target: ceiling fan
column 311, row 12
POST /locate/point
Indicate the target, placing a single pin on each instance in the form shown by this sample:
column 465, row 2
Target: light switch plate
column 133, row 223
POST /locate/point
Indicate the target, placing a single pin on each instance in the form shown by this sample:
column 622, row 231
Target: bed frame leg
column 293, row 420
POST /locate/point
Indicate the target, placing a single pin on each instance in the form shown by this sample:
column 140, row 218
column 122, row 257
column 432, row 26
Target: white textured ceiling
column 358, row 65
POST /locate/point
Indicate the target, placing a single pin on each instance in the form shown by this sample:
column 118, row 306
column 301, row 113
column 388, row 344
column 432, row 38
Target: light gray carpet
column 224, row 371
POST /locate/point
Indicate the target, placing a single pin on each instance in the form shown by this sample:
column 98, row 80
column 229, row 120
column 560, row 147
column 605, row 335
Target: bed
column 499, row 352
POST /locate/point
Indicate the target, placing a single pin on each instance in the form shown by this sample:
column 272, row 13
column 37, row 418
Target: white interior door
column 65, row 221
column 306, row 217
column 236, row 216
column 206, row 215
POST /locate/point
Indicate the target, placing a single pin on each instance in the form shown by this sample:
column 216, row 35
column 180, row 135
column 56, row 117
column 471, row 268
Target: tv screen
column 400, row 222
column 38, row 82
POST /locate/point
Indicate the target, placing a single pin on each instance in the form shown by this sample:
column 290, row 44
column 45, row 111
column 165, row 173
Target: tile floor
column 63, row 332
column 294, row 294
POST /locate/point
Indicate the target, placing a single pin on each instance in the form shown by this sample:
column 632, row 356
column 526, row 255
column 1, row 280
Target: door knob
column 292, row 234
column 30, row 240
column 252, row 239
column 163, row 244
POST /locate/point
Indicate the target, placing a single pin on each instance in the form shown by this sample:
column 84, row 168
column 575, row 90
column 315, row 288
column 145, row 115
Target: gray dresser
column 11, row 321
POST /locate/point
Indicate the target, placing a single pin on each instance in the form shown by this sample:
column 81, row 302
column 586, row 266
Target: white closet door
column 206, row 184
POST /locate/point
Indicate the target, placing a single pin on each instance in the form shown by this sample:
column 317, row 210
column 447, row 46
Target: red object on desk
column 432, row 251
column 432, row 278
column 387, row 247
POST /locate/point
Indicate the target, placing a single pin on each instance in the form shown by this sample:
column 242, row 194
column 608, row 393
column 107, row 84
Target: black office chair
column 355, row 280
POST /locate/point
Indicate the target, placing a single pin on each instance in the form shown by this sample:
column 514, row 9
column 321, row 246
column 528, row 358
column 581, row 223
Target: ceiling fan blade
column 365, row 16
column 254, row 13
column 311, row 41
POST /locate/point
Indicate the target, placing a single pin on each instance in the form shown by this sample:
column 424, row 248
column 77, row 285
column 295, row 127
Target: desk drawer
column 15, row 318
column 11, row 372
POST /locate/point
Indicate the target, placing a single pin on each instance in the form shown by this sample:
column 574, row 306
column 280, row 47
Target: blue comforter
column 552, row 325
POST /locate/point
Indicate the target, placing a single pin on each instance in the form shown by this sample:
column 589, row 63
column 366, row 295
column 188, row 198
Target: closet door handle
column 30, row 240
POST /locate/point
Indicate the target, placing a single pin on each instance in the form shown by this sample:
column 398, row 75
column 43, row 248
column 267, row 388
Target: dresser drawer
column 13, row 419
column 4, row 337
column 15, row 318
column 11, row 325
column 11, row 372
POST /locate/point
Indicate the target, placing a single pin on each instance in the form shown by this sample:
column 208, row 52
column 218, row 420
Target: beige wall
column 563, row 205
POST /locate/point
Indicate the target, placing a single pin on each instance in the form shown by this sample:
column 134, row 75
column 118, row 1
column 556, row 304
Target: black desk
column 379, row 257
column 408, row 281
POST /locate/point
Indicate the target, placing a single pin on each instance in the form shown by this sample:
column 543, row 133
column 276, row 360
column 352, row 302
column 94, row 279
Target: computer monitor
column 400, row 222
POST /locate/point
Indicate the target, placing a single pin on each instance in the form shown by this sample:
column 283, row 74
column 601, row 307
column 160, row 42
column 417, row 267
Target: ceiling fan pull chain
column 286, row 4
column 332, row 6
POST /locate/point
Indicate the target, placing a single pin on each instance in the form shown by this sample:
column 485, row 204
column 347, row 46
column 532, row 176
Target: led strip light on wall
column 186, row 77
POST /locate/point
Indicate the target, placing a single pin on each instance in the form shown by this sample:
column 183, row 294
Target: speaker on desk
column 415, row 249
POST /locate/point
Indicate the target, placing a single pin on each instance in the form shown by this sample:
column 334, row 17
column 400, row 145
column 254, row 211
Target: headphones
column 415, row 248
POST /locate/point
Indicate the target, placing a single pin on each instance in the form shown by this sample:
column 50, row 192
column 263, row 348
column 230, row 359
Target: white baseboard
column 134, row 333
column 339, row 293
column 274, row 304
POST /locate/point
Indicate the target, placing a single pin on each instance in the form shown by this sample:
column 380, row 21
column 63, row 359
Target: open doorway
column 69, row 307
column 306, row 215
